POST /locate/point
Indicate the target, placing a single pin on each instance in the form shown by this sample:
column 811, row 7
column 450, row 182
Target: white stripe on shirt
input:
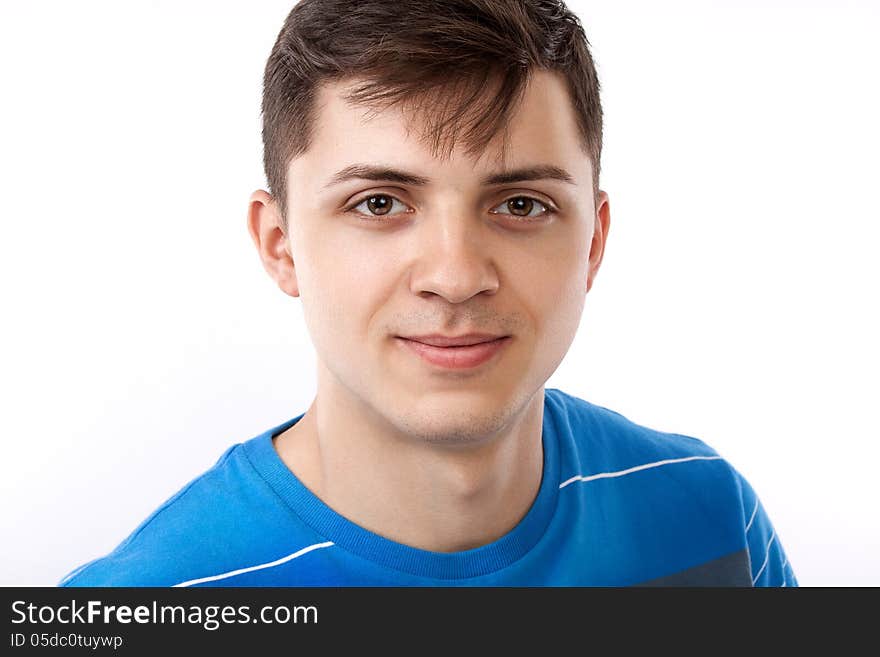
column 766, row 557
column 271, row 564
column 620, row 473
column 751, row 520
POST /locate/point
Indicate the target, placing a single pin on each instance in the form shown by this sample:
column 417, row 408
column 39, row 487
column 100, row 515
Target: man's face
column 450, row 256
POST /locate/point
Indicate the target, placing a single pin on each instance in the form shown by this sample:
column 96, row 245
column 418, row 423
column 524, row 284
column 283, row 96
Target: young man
column 434, row 204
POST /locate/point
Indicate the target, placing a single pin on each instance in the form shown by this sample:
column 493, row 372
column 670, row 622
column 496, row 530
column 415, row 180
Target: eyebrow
column 381, row 173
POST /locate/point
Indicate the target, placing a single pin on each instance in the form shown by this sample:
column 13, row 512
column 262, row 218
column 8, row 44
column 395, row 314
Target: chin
column 454, row 426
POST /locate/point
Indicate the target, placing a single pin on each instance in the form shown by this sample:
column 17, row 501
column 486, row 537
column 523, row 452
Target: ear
column 267, row 232
column 602, row 222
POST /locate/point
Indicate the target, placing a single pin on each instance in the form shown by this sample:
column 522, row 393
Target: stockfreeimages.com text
column 210, row 617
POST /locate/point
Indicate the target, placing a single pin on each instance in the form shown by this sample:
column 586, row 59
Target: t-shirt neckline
column 396, row 556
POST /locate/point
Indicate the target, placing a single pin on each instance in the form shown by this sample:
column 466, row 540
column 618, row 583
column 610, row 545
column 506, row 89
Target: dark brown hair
column 461, row 66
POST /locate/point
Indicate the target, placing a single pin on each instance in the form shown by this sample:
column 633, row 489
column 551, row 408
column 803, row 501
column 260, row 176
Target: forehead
column 542, row 130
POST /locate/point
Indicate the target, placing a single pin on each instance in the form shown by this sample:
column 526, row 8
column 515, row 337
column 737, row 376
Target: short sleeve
column 769, row 563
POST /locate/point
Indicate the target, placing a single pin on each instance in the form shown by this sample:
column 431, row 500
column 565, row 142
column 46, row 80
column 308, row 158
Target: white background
column 737, row 301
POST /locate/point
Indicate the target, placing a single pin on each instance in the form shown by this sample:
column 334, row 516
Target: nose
column 454, row 260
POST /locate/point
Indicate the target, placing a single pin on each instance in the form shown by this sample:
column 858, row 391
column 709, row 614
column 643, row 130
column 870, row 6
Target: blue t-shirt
column 619, row 504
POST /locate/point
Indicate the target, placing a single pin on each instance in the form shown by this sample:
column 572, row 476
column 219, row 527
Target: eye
column 523, row 206
column 376, row 205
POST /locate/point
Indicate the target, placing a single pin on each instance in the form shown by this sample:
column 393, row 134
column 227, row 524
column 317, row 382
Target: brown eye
column 377, row 205
column 523, row 206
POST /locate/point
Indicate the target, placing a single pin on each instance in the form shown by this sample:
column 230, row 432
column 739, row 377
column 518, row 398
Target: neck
column 442, row 496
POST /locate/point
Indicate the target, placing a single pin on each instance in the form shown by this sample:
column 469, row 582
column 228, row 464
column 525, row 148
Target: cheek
column 341, row 287
column 561, row 303
column 554, row 290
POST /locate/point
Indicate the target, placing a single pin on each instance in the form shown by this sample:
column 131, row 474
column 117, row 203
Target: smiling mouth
column 461, row 356
column 464, row 340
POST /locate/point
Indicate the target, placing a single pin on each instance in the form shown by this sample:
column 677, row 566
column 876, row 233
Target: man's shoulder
column 208, row 521
column 657, row 479
column 591, row 421
column 598, row 441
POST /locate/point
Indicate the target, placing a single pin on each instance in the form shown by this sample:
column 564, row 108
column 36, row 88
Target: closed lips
column 457, row 341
